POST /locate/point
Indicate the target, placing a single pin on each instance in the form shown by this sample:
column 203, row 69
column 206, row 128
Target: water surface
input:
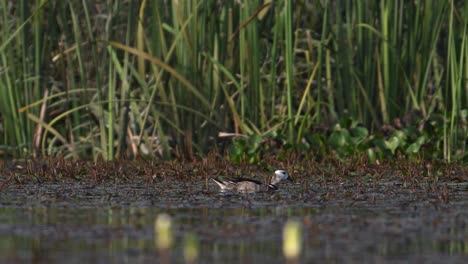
column 114, row 223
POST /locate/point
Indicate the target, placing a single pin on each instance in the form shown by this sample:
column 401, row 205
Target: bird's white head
column 279, row 176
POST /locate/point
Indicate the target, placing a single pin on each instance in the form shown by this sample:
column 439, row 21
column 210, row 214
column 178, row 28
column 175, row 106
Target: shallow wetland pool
column 345, row 223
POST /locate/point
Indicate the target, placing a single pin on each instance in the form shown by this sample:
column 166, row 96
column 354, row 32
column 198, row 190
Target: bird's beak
column 290, row 179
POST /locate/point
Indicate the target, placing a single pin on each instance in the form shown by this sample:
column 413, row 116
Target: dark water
column 114, row 223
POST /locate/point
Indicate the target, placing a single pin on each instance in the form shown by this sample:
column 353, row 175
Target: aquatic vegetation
column 109, row 80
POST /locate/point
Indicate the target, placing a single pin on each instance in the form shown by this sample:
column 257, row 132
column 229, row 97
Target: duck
column 251, row 185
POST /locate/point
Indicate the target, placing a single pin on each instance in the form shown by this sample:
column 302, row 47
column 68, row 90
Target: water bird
column 250, row 185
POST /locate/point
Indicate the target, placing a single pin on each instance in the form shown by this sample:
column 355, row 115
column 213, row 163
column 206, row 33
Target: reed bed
column 112, row 79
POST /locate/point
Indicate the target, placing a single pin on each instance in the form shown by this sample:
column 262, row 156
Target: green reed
column 142, row 77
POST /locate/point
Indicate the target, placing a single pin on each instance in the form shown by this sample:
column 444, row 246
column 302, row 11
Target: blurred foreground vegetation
column 113, row 79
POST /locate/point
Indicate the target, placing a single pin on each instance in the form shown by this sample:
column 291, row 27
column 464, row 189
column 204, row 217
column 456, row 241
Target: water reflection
column 37, row 225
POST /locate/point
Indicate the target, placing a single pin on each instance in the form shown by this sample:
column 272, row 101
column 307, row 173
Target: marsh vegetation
column 180, row 78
